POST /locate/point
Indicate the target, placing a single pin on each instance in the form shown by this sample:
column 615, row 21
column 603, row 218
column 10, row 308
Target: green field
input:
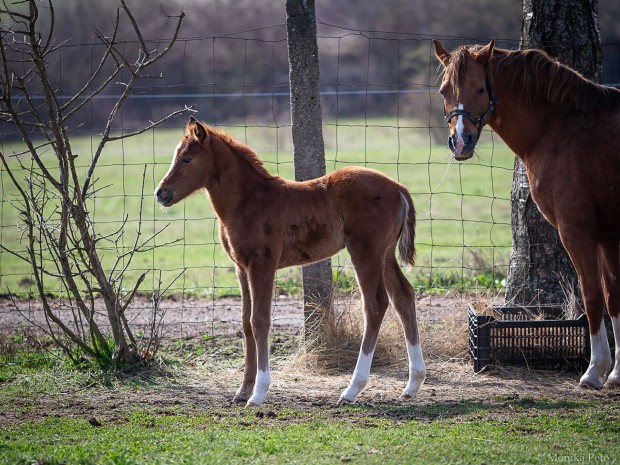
column 237, row 437
column 463, row 211
column 52, row 414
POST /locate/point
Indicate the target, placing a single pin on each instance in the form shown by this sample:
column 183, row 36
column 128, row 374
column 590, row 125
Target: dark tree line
column 245, row 53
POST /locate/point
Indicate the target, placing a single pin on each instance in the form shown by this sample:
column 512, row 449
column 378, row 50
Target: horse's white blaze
column 417, row 370
column 614, row 376
column 174, row 157
column 600, row 360
column 360, row 376
column 460, row 127
column 263, row 378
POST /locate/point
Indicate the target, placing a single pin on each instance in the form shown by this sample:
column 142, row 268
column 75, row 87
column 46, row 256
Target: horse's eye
column 481, row 90
column 186, row 160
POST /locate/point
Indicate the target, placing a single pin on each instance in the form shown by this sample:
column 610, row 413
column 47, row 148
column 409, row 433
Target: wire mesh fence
column 381, row 110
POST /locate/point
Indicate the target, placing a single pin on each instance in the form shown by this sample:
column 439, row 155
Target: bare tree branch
column 95, row 75
column 136, row 29
column 60, row 232
column 151, row 125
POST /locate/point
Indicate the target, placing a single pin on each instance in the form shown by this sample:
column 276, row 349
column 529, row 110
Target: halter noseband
column 478, row 122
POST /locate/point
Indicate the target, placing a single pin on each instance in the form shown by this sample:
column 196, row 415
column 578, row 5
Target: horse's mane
column 536, row 75
column 541, row 75
column 245, row 152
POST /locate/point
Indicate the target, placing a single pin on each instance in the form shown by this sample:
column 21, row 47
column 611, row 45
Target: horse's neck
column 230, row 178
column 520, row 125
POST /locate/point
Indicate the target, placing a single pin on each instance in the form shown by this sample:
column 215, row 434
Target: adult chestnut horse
column 267, row 223
column 566, row 130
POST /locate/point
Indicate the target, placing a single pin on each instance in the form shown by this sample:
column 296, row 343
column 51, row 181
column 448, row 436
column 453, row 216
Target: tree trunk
column 309, row 149
column 540, row 270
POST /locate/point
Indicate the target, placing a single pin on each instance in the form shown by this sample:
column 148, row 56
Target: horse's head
column 189, row 164
column 467, row 93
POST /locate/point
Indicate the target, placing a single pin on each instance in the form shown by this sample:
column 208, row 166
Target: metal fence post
column 309, row 149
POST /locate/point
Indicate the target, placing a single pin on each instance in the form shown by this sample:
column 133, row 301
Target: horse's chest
column 542, row 194
column 243, row 247
column 566, row 196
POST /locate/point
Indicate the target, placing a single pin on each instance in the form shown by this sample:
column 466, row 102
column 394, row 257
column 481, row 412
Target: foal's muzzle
column 164, row 196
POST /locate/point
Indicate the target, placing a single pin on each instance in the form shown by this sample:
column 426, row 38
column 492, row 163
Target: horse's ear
column 196, row 129
column 442, row 54
column 485, row 53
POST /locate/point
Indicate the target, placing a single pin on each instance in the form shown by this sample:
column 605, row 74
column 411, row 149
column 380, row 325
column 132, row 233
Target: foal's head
column 189, row 166
column 468, row 97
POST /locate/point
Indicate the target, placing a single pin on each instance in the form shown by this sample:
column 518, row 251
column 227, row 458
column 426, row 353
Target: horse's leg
column 374, row 303
column 260, row 278
column 584, row 254
column 611, row 269
column 402, row 298
column 249, row 375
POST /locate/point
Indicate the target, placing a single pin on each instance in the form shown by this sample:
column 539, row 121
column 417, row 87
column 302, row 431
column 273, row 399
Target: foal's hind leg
column 374, row 304
column 610, row 260
column 402, row 298
column 249, row 375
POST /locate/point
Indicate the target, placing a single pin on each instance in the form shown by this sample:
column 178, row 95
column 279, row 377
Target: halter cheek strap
column 478, row 122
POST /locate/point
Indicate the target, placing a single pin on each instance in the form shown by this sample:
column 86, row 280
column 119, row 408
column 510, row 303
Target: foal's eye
column 186, row 160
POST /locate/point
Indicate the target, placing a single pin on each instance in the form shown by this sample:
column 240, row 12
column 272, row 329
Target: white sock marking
column 417, row 370
column 360, row 376
column 261, row 386
column 600, row 360
column 615, row 374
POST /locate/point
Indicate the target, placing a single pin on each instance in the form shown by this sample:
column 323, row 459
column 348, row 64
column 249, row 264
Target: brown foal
column 267, row 223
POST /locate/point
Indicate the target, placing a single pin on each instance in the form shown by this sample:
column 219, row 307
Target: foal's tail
column 406, row 243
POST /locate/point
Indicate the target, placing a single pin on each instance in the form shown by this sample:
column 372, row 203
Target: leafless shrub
column 54, row 196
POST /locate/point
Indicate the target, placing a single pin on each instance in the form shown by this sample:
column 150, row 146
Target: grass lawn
column 238, row 436
column 463, row 209
column 53, row 415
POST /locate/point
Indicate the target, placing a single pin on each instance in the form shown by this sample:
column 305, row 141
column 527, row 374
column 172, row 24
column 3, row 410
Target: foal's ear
column 441, row 53
column 485, row 53
column 197, row 130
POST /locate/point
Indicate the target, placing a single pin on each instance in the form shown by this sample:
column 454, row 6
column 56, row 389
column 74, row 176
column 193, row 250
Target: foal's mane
column 536, row 75
column 243, row 151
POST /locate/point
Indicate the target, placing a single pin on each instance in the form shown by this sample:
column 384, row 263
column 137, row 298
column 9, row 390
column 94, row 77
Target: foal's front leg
column 260, row 279
column 249, row 376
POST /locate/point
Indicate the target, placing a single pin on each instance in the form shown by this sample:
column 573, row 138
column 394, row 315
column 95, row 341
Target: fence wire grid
column 380, row 109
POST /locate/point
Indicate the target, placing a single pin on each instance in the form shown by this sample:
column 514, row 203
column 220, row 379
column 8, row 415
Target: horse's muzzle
column 164, row 196
column 464, row 150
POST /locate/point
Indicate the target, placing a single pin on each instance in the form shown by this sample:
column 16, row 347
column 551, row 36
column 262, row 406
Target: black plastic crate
column 533, row 336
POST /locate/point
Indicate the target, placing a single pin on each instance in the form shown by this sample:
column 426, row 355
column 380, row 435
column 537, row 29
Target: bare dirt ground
column 200, row 386
column 194, row 317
